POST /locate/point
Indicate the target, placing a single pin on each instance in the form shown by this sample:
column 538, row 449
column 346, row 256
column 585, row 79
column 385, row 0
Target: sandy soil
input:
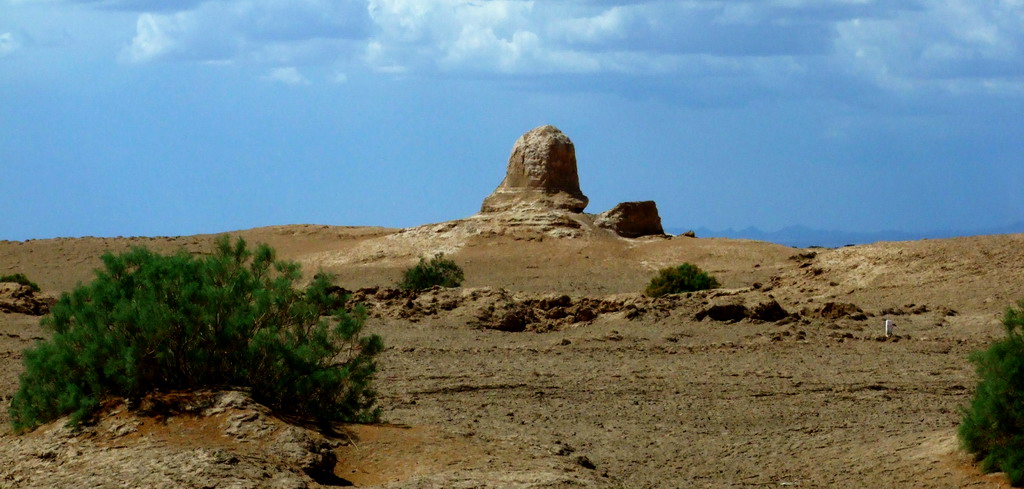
column 658, row 400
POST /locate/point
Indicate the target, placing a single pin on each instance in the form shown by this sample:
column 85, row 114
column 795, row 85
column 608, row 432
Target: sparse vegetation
column 232, row 318
column 992, row 427
column 437, row 271
column 20, row 278
column 683, row 278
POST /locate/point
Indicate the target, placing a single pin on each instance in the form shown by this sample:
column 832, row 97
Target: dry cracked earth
column 548, row 369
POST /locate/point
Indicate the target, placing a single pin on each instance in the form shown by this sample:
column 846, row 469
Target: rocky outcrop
column 22, row 299
column 769, row 311
column 840, row 310
column 541, row 174
column 632, row 219
column 539, row 198
column 503, row 310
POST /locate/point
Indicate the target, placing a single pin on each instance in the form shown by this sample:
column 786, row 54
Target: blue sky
column 139, row 117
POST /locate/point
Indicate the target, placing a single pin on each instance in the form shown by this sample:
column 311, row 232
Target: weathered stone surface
column 541, row 174
column 632, row 219
column 21, row 299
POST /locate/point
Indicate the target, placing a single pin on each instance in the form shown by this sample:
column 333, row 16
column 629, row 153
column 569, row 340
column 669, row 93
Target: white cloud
column 155, row 36
column 499, row 36
column 272, row 31
column 339, row 78
column 610, row 24
column 479, row 48
column 450, row 34
column 958, row 45
column 288, row 75
column 771, row 43
column 8, row 44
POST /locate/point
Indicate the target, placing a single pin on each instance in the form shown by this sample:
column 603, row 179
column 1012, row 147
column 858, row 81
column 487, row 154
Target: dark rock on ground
column 632, row 219
column 769, row 311
column 839, row 310
column 724, row 312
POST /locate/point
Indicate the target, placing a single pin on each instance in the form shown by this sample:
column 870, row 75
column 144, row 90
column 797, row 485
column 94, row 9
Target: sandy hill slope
column 598, row 386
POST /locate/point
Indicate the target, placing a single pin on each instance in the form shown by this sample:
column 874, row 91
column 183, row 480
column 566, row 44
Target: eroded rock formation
column 22, row 299
column 632, row 219
column 541, row 174
column 539, row 198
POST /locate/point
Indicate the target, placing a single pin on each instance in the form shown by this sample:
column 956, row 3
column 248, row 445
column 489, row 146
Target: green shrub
column 992, row 426
column 233, row 318
column 426, row 274
column 683, row 278
column 20, row 278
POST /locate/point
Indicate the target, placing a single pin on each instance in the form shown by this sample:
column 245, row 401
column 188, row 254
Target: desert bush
column 20, row 278
column 992, row 425
column 233, row 318
column 426, row 274
column 683, row 278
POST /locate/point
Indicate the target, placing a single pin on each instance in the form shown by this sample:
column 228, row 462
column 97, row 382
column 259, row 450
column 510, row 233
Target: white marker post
column 889, row 325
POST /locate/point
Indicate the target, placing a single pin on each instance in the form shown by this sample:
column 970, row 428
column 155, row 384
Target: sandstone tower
column 541, row 174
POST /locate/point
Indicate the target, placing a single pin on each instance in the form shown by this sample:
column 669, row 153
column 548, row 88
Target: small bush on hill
column 683, row 278
column 234, row 318
column 992, row 426
column 426, row 274
column 20, row 278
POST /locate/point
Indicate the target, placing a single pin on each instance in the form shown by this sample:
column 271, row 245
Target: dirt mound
column 542, row 314
column 182, row 439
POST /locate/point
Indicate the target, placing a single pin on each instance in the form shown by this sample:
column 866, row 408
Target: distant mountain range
column 804, row 237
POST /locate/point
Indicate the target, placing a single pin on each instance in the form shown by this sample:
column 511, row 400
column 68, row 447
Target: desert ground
column 602, row 388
